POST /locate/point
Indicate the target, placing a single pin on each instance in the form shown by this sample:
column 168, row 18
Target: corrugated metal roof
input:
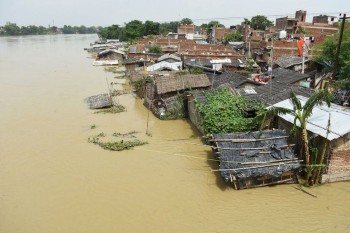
column 169, row 56
column 318, row 121
column 164, row 64
column 111, row 51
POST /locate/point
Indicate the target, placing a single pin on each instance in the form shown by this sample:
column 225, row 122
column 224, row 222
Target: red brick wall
column 339, row 162
column 185, row 29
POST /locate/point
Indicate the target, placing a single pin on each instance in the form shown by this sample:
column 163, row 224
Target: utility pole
column 336, row 62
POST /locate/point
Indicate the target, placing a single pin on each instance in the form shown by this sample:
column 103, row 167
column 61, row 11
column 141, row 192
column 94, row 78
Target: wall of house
column 195, row 117
column 338, row 166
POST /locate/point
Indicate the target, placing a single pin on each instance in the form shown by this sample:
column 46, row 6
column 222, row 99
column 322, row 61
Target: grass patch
column 92, row 126
column 113, row 110
column 115, row 145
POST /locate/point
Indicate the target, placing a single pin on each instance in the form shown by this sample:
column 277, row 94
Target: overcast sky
column 108, row 12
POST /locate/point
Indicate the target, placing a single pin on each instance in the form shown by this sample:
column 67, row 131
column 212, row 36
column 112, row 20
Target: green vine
column 224, row 113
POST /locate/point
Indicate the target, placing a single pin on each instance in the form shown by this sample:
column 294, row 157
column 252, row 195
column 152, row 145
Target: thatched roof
column 99, row 101
column 178, row 82
column 245, row 155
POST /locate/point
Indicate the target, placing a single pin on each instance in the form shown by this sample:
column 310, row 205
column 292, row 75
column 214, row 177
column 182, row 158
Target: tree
column 165, row 28
column 246, row 21
column 134, row 29
column 151, row 28
column 11, row 29
column 233, row 36
column 260, row 22
column 111, row 32
column 301, row 113
column 215, row 23
column 155, row 49
column 186, row 21
column 327, row 57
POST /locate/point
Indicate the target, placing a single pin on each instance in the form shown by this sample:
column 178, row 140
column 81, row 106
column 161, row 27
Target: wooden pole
column 336, row 62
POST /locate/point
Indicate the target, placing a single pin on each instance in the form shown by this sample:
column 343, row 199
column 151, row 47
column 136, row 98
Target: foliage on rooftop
column 224, row 113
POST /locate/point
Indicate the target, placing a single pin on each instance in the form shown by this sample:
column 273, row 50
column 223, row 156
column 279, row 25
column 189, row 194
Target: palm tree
column 301, row 114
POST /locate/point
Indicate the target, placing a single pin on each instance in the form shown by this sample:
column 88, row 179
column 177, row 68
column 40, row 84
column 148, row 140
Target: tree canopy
column 11, row 29
column 186, row 21
column 233, row 36
column 258, row 22
column 327, row 57
column 137, row 29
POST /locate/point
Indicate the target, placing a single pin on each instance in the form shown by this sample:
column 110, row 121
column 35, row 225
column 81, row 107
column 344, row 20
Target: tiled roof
column 233, row 80
column 288, row 61
column 288, row 76
column 279, row 92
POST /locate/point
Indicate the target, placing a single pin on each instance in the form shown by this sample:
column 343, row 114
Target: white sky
column 108, row 12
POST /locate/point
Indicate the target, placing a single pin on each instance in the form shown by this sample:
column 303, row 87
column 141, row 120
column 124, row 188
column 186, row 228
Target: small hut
column 255, row 159
column 109, row 57
column 162, row 94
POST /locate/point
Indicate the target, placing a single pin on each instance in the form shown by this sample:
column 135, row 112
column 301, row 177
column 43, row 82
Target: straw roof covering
column 171, row 83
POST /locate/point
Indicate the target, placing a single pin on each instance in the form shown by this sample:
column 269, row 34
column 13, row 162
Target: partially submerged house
column 330, row 123
column 234, row 82
column 162, row 93
column 109, row 57
column 252, row 159
column 135, row 64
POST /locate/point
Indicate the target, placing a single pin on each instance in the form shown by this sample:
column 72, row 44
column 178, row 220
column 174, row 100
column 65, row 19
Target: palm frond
column 269, row 113
column 316, row 99
column 295, row 101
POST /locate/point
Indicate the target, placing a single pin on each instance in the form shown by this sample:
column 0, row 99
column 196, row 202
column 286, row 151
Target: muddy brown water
column 53, row 180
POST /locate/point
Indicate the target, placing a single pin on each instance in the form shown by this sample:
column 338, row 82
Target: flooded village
column 188, row 131
column 229, row 91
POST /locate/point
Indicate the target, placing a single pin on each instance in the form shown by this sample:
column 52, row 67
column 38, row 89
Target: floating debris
column 99, row 101
column 126, row 135
column 113, row 109
column 115, row 145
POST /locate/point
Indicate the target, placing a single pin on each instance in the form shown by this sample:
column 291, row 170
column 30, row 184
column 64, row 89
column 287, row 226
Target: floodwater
column 53, row 180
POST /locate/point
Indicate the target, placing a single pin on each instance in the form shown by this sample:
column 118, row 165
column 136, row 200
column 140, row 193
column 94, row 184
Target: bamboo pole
column 276, row 182
column 246, row 140
column 246, row 168
column 256, row 148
